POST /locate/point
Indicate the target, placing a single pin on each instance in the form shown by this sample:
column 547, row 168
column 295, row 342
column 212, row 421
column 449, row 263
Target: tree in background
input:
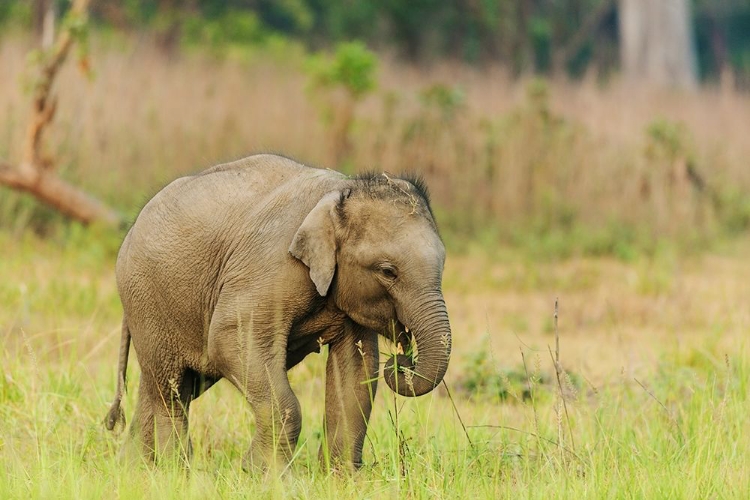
column 43, row 12
column 671, row 42
column 340, row 82
column 656, row 42
column 35, row 172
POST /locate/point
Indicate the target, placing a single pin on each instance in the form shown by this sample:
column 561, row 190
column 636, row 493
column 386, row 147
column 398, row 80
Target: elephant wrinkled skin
column 241, row 271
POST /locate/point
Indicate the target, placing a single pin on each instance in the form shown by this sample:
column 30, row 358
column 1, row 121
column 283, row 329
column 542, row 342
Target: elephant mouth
column 403, row 357
column 401, row 337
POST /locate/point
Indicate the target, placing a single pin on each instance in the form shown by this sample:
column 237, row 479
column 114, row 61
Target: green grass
column 674, row 428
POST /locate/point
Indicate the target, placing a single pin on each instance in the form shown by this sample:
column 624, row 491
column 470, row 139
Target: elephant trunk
column 414, row 376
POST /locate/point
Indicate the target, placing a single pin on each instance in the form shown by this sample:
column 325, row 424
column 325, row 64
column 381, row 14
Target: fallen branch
column 59, row 194
column 35, row 173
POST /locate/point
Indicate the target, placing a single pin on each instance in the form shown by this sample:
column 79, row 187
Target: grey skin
column 241, row 271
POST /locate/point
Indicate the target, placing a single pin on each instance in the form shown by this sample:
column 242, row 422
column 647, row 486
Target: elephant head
column 373, row 247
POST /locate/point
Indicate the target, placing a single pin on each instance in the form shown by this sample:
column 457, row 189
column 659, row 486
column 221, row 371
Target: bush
column 352, row 67
column 351, row 71
column 232, row 27
column 483, row 379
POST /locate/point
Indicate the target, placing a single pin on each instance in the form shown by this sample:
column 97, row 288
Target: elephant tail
column 115, row 414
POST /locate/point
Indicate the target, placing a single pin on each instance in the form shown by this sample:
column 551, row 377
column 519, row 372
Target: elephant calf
column 241, row 271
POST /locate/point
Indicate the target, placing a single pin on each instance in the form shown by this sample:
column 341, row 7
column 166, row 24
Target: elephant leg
column 249, row 348
column 159, row 430
column 278, row 416
column 351, row 382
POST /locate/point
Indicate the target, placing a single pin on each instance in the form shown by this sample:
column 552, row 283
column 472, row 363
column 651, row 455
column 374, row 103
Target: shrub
column 351, row 71
column 483, row 379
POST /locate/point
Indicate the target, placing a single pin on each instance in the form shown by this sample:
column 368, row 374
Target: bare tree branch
column 59, row 194
column 34, row 174
column 43, row 104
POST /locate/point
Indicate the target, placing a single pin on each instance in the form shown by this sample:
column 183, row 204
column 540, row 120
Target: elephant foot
column 258, row 464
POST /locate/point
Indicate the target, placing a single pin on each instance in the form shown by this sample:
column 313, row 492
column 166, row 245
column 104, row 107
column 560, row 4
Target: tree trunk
column 523, row 50
column 34, row 174
column 656, row 42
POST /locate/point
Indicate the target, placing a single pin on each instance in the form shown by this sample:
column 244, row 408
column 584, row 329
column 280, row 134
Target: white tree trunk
column 656, row 42
column 48, row 26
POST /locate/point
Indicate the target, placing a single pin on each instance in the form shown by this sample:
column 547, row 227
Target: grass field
column 652, row 402
column 580, row 192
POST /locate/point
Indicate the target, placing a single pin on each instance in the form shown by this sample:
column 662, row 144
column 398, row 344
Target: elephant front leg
column 351, row 382
column 251, row 352
column 278, row 419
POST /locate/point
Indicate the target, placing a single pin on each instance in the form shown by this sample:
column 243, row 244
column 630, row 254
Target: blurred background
column 566, row 127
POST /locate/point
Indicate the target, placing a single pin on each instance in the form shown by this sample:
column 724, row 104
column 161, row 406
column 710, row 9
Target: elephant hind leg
column 159, row 431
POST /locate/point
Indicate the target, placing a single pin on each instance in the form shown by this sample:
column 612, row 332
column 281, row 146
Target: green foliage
column 483, row 379
column 559, row 241
column 675, row 419
column 15, row 13
column 530, row 179
column 521, row 35
column 353, row 68
column 734, row 209
column 21, row 216
column 10, row 392
column 672, row 160
column 533, row 155
column 731, row 23
column 238, row 27
column 20, row 212
column 436, row 121
column 298, row 12
column 78, row 27
column 354, row 19
column 667, row 140
column 446, row 99
column 352, row 71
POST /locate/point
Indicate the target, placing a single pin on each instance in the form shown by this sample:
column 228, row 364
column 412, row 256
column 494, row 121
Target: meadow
column 545, row 191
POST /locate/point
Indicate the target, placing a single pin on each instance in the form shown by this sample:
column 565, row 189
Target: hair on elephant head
column 374, row 246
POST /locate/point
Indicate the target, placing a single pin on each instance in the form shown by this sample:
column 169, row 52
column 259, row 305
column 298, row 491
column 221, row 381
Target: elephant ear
column 315, row 242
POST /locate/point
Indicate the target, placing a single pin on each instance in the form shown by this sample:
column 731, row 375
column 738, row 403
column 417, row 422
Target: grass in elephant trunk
column 656, row 382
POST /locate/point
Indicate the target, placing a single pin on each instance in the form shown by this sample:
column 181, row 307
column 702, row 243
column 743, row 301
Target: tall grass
column 562, row 166
column 655, row 378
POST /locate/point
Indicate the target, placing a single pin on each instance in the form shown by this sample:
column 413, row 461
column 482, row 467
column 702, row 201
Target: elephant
column 242, row 270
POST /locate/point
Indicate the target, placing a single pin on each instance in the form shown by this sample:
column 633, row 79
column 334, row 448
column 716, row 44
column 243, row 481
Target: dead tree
column 35, row 173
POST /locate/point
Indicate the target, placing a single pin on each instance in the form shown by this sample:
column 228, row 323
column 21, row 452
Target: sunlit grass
column 656, row 414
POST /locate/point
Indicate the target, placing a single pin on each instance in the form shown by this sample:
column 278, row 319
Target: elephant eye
column 389, row 272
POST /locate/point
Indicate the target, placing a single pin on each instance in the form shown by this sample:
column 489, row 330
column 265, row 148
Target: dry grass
column 616, row 319
column 497, row 158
